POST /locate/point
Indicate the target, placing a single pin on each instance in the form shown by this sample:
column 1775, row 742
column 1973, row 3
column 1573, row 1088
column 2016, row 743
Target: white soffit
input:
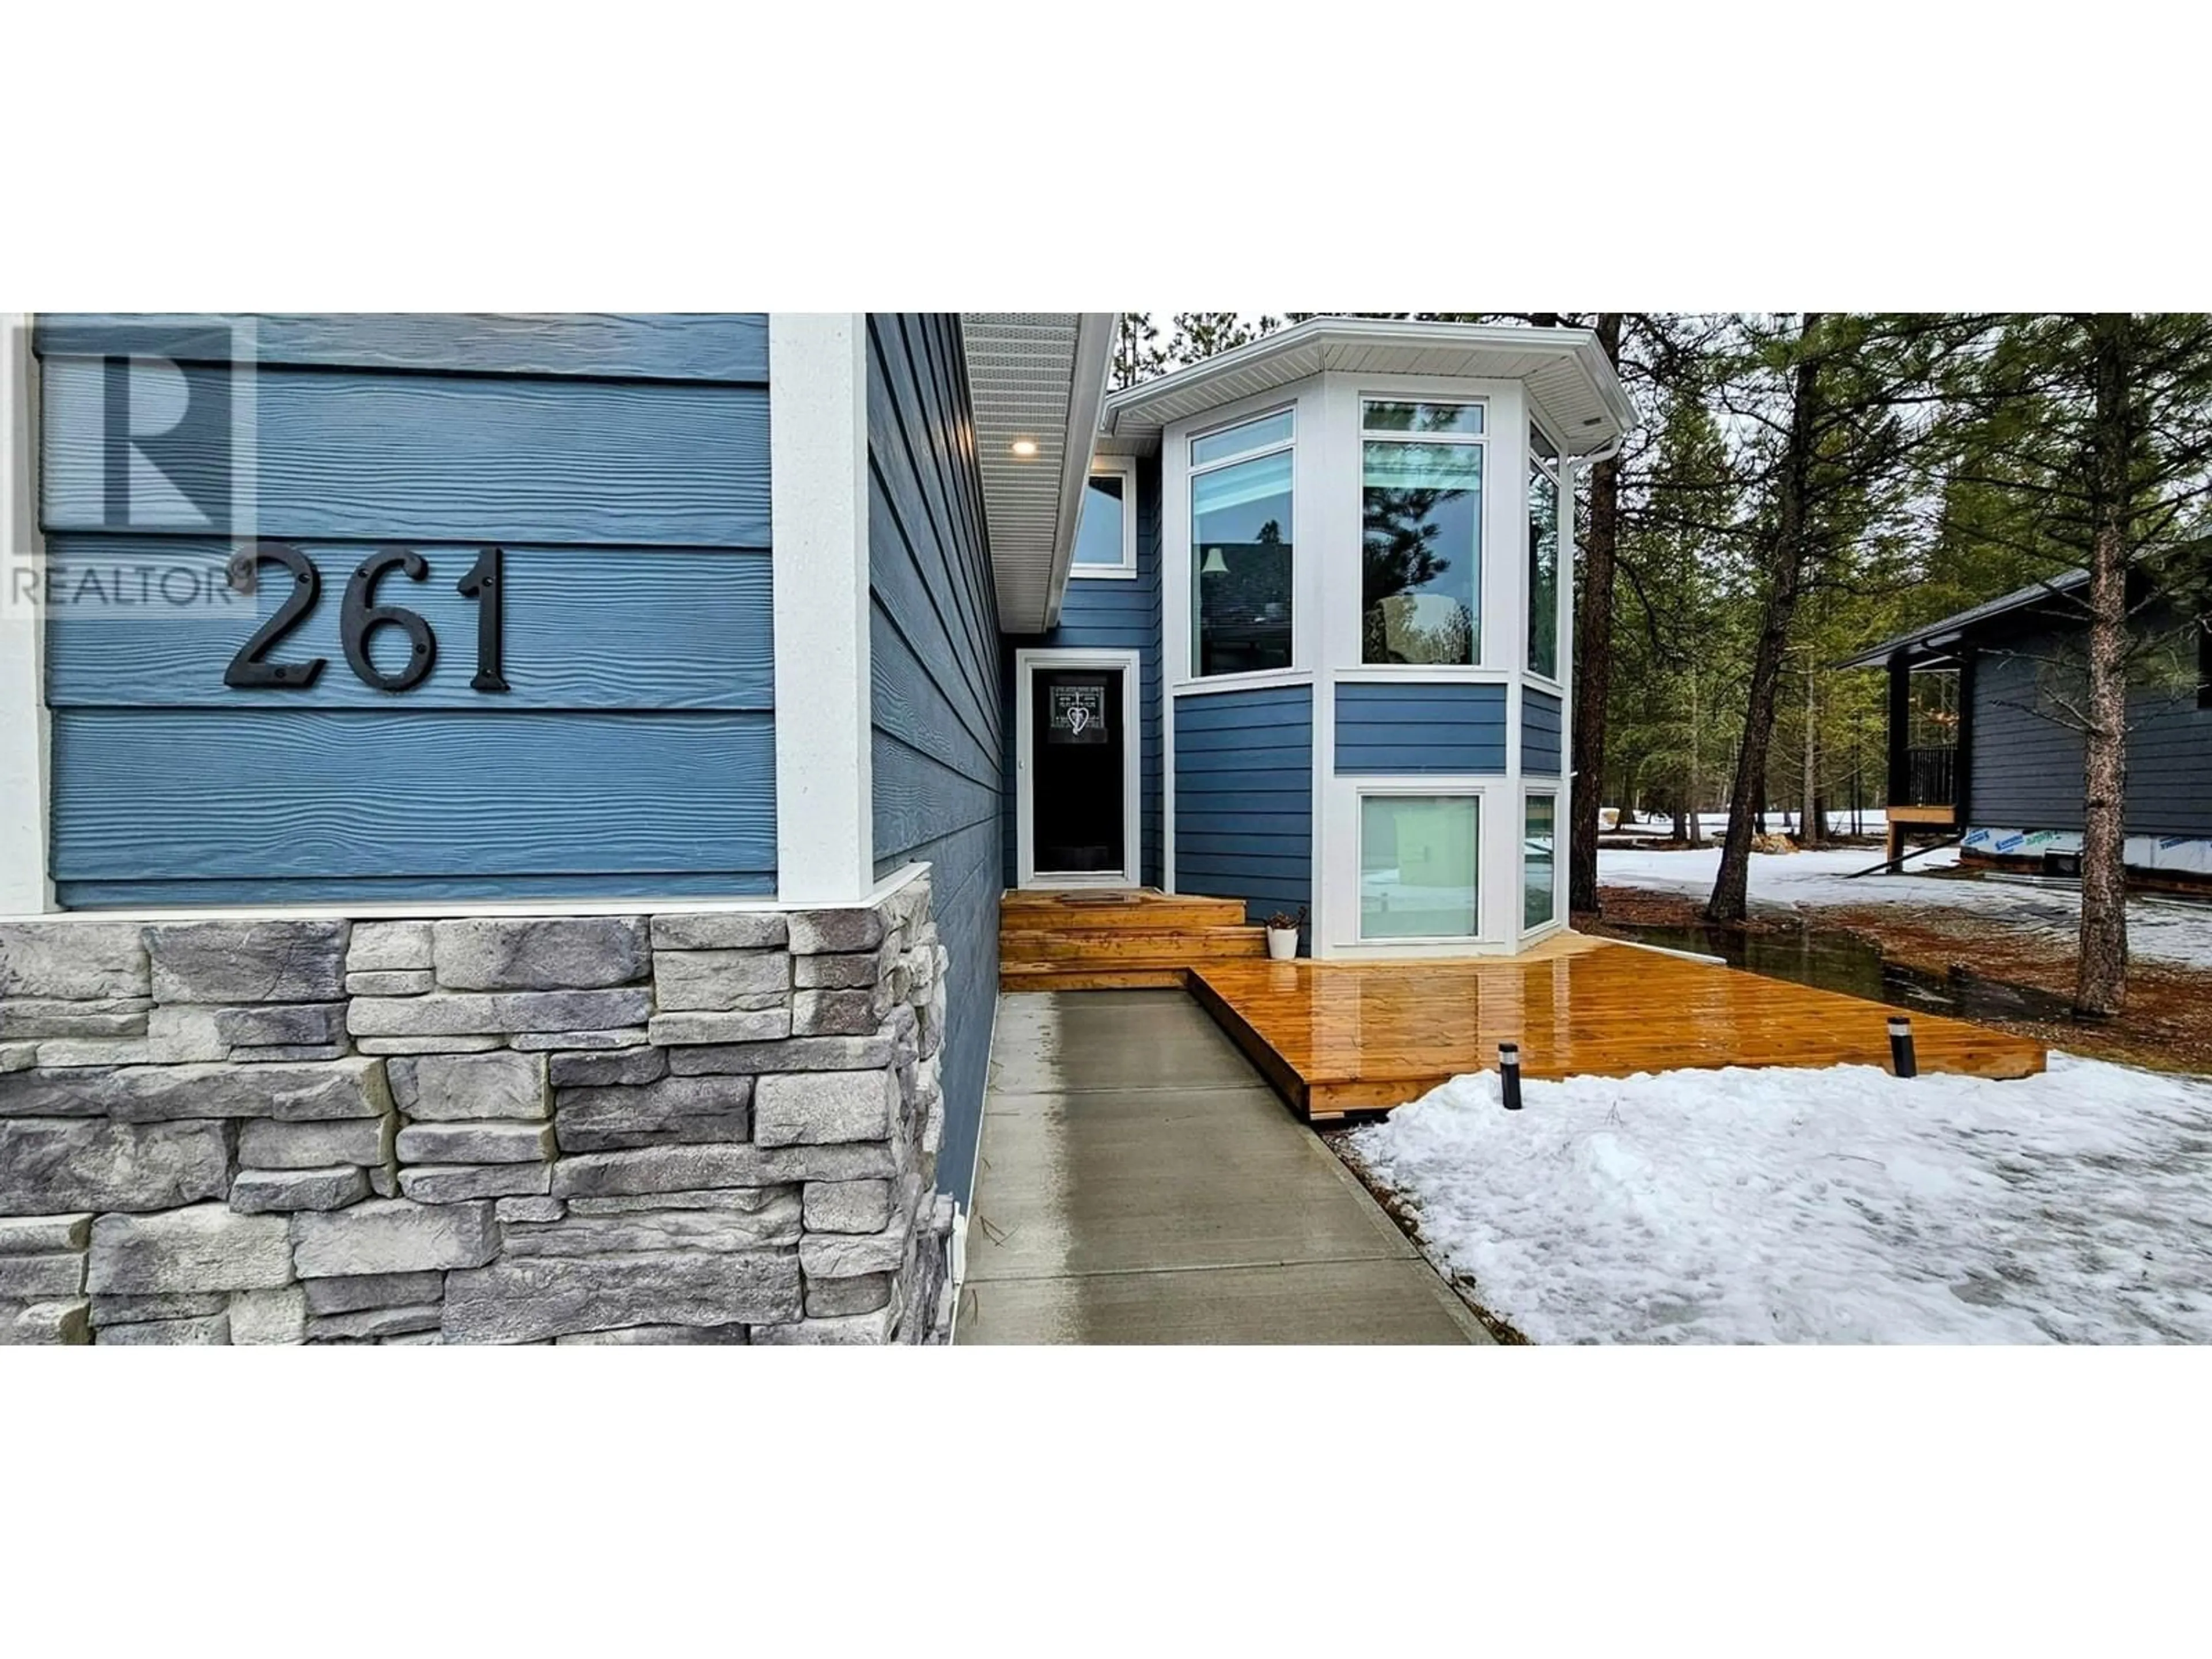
column 1564, row 370
column 1037, row 378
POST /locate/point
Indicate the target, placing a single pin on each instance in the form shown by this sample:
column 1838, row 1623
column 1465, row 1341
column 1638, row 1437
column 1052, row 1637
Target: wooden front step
column 1137, row 908
column 1083, row 941
column 1050, row 976
column 1131, row 946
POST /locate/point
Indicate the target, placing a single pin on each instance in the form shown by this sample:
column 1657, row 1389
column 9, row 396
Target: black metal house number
column 360, row 616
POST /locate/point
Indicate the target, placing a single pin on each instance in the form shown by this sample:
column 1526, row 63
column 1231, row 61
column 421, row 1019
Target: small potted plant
column 1283, row 934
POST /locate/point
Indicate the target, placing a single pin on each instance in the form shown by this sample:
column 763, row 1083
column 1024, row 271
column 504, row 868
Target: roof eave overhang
column 1135, row 417
column 1037, row 380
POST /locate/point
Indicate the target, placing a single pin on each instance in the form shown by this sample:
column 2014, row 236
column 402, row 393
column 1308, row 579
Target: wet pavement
column 1139, row 1183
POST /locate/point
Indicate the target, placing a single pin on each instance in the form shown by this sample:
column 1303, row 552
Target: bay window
column 1540, row 877
column 1418, row 863
column 1421, row 533
column 1543, row 554
column 1241, row 536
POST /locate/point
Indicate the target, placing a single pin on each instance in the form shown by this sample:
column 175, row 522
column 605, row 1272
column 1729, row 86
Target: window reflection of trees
column 1403, row 558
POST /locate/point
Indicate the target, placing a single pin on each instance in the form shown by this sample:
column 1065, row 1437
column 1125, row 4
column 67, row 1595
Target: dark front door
column 1075, row 770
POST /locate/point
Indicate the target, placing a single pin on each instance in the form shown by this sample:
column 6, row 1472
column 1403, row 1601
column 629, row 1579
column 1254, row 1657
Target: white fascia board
column 25, row 776
column 819, row 509
column 1086, row 392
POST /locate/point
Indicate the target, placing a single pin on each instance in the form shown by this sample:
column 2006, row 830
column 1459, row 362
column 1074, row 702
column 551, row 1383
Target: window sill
column 1102, row 573
column 1258, row 680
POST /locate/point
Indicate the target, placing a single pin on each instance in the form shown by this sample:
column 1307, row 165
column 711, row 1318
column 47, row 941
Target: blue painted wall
column 1540, row 742
column 1107, row 613
column 1244, row 797
column 934, row 633
column 621, row 461
column 1387, row 728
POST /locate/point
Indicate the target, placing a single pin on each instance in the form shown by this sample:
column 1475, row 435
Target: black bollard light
column 1509, row 1073
column 1900, row 1046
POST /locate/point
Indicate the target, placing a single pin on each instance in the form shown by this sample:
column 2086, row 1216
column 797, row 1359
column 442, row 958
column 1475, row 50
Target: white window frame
column 1027, row 661
column 1186, row 471
column 1562, row 576
column 1339, row 886
column 1364, row 395
column 1557, row 795
column 1123, row 467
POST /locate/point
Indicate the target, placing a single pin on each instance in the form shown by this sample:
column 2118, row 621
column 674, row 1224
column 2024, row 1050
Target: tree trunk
column 1812, row 827
column 1697, row 774
column 1593, row 657
column 1786, row 572
column 2101, row 984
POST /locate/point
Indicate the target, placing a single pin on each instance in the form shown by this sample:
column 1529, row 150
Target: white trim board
column 1026, row 663
column 439, row 910
column 26, row 741
column 818, row 513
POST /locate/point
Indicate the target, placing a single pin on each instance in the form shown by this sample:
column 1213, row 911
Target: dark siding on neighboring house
column 934, row 640
column 1540, row 732
column 1383, row 728
column 1106, row 613
column 622, row 462
column 1244, row 800
column 2026, row 769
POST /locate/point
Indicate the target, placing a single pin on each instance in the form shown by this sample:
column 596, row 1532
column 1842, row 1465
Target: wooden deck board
column 1339, row 1037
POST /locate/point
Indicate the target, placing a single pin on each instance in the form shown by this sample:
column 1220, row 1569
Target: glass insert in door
column 1076, row 771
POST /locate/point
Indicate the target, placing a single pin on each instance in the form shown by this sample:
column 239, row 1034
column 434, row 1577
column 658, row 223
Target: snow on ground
column 2161, row 930
column 1835, row 1205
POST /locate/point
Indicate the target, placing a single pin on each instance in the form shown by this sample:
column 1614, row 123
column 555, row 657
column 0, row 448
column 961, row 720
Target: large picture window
column 1417, row 858
column 1240, row 534
column 1421, row 533
column 1540, row 869
column 1543, row 555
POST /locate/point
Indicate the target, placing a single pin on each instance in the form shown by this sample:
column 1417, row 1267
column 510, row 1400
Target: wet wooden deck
column 1335, row 1038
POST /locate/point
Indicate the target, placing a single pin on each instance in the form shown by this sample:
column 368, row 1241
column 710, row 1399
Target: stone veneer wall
column 709, row 1126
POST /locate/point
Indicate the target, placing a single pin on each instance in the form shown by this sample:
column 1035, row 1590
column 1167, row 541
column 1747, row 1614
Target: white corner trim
column 26, row 744
column 818, row 512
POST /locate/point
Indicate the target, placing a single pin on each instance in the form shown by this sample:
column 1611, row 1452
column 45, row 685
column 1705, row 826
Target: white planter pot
column 1282, row 943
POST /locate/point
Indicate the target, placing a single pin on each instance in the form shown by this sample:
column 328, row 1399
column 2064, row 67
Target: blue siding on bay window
column 1109, row 613
column 936, row 716
column 1244, row 806
column 621, row 461
column 1421, row 728
column 1540, row 742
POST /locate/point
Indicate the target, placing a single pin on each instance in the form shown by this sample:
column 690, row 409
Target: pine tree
column 2095, row 452
column 1138, row 354
column 1202, row 334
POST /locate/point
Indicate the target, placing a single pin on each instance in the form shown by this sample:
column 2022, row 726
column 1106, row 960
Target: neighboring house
column 1985, row 736
column 636, row 719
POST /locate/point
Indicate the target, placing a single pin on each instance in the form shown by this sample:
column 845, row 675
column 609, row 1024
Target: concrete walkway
column 1139, row 1182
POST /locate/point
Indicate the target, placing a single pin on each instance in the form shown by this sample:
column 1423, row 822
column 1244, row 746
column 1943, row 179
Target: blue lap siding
column 2026, row 759
column 1540, row 742
column 622, row 464
column 1419, row 728
column 936, row 716
column 1108, row 613
column 1243, row 804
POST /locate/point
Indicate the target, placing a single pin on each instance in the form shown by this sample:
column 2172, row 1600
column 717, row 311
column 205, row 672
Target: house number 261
column 360, row 616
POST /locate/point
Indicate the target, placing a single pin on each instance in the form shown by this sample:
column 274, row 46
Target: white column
column 26, row 884
column 1505, row 644
column 818, row 504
